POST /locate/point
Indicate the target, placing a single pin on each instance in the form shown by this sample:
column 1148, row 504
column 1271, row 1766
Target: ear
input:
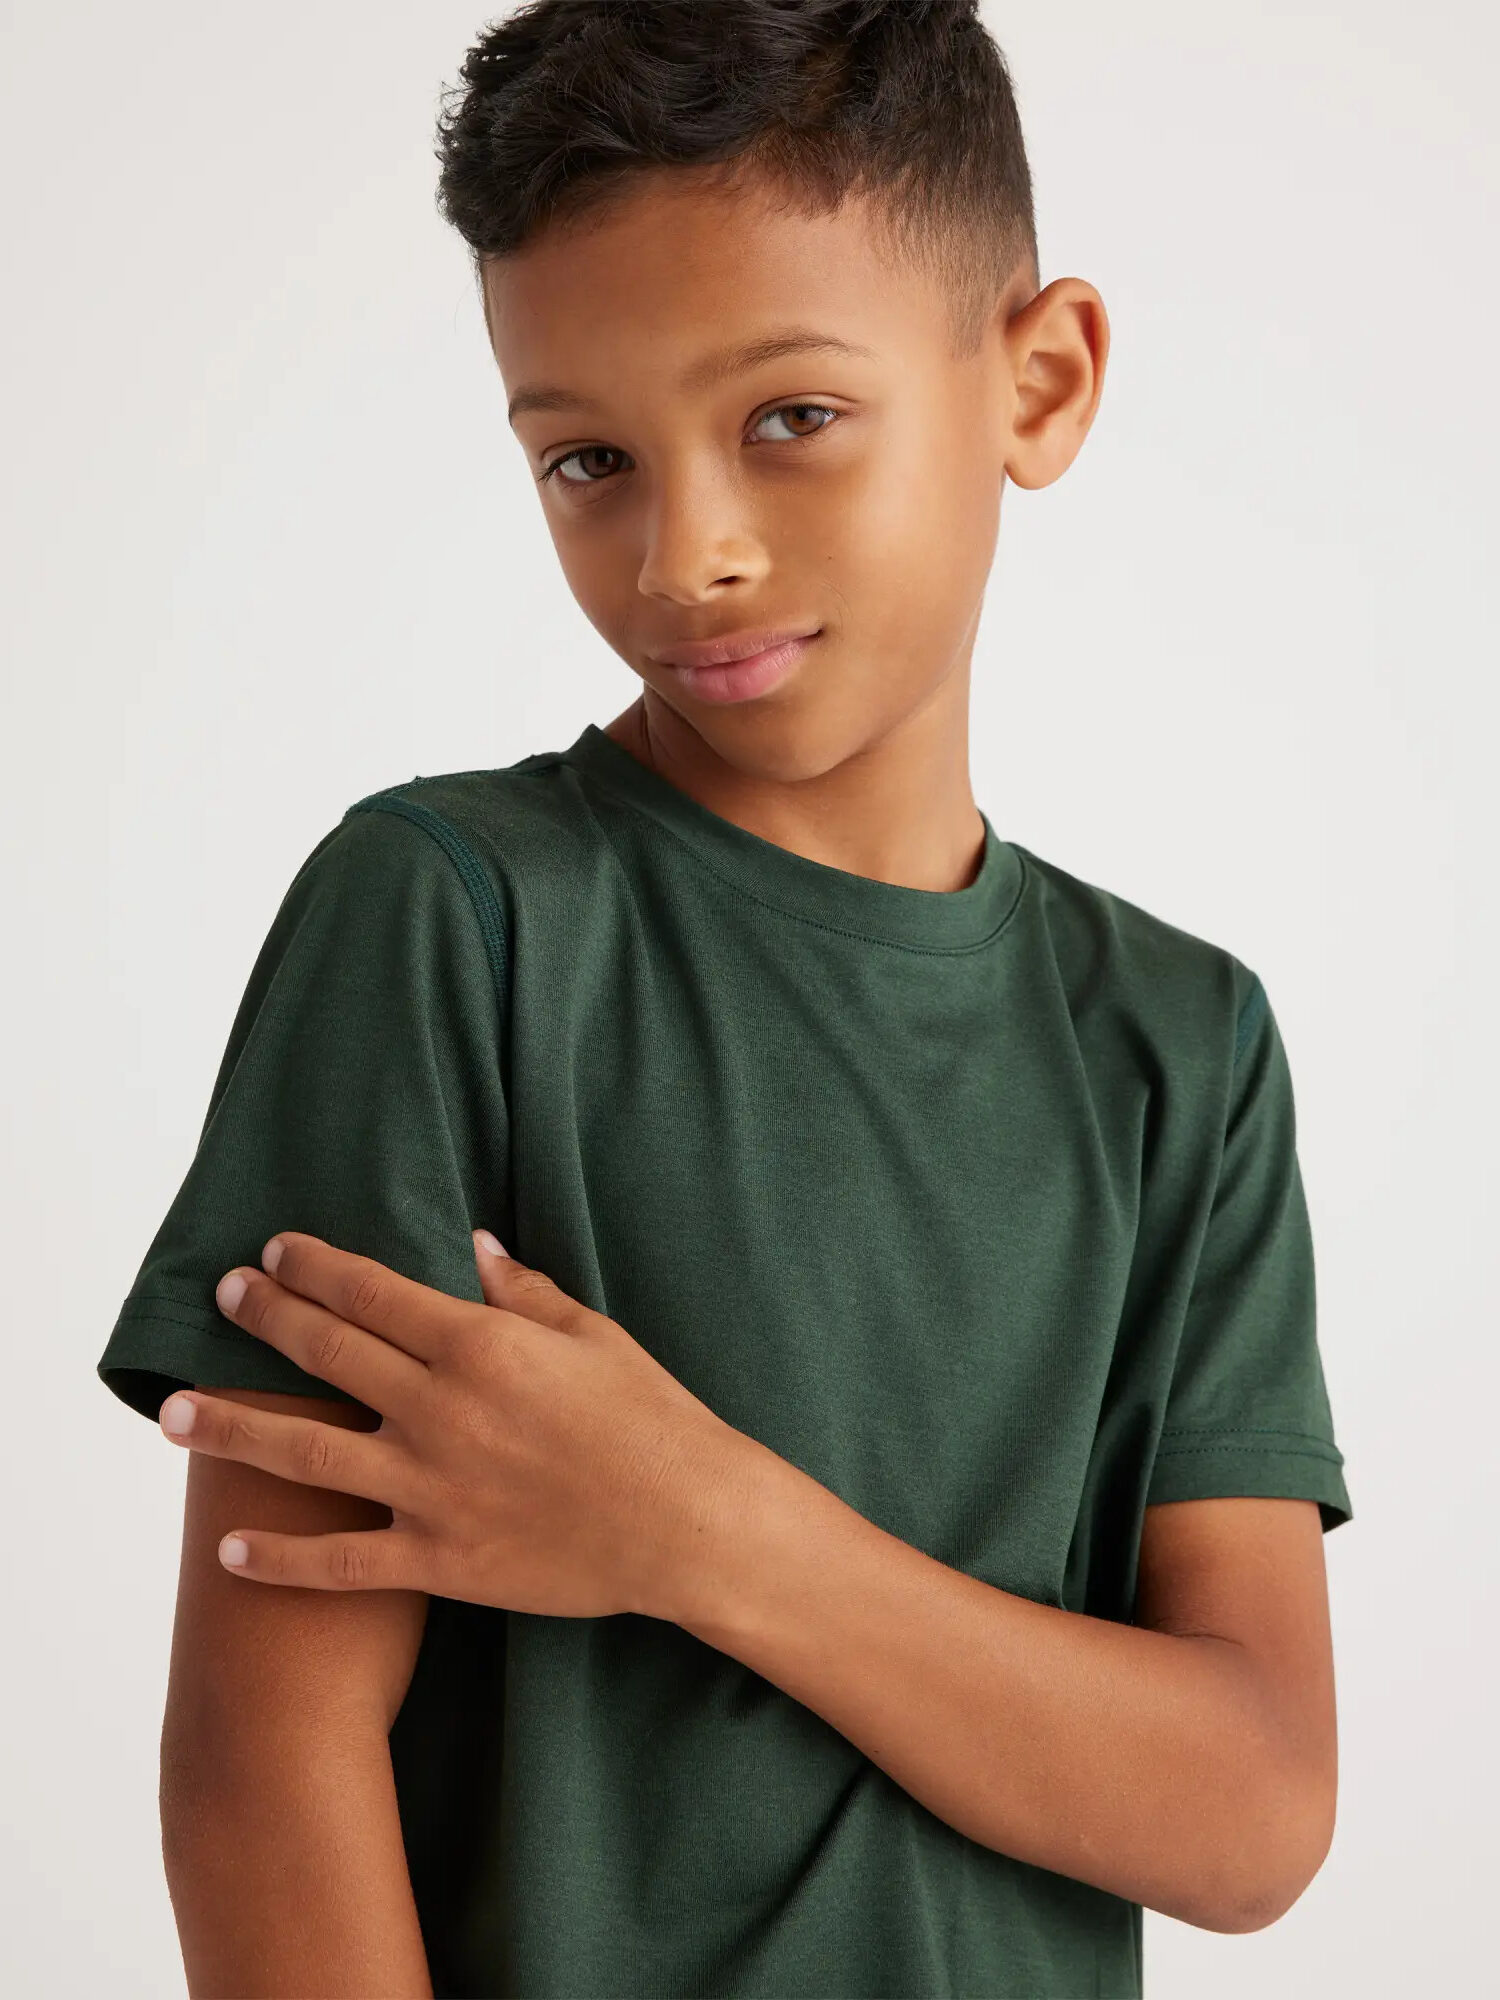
column 1058, row 346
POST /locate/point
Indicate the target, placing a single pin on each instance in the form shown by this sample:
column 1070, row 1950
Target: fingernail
column 234, row 1551
column 177, row 1415
column 229, row 1291
column 270, row 1257
column 491, row 1243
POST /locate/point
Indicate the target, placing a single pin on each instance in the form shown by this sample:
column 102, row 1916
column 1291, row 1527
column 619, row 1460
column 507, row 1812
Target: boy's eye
column 595, row 451
column 801, row 410
column 584, row 451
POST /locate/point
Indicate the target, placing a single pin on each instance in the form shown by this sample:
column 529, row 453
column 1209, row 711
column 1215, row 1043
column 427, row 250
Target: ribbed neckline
column 889, row 912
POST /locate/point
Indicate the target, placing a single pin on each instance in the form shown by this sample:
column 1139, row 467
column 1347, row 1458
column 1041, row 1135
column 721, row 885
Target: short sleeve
column 1247, row 1410
column 359, row 1099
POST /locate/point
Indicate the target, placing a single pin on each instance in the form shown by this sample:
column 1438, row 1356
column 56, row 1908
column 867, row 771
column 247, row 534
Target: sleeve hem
column 1273, row 1465
column 158, row 1347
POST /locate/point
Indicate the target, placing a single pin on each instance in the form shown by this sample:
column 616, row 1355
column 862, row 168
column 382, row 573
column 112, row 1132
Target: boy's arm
column 280, row 1831
column 1186, row 1762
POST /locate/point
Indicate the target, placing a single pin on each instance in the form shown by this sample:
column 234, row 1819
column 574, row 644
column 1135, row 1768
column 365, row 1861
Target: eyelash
column 578, row 450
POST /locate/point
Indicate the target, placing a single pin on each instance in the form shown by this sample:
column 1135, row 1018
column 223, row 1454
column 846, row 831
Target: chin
column 784, row 743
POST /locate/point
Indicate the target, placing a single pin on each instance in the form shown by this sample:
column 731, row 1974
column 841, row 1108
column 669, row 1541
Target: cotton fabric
column 984, row 1208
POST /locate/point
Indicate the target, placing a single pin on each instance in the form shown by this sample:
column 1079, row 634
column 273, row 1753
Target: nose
column 700, row 536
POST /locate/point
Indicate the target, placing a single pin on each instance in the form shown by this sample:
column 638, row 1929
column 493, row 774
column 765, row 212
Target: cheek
column 598, row 572
column 910, row 542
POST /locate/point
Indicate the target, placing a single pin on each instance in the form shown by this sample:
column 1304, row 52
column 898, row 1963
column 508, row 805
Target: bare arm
column 1187, row 1762
column 280, row 1830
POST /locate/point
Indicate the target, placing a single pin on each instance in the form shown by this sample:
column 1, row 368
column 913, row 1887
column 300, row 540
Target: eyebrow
column 708, row 371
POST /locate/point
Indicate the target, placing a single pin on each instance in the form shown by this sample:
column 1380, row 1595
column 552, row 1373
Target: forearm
column 296, row 1885
column 1141, row 1762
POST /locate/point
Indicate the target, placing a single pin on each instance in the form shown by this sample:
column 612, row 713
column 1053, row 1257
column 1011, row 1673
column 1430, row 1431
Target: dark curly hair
column 907, row 102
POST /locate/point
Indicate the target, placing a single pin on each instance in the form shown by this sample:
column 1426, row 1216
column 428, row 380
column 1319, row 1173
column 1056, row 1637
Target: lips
column 730, row 646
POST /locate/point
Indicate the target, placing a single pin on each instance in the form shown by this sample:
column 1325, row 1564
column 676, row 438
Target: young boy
column 964, row 1186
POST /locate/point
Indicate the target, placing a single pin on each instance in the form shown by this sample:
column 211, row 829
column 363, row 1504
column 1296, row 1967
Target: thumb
column 519, row 1289
column 492, row 1257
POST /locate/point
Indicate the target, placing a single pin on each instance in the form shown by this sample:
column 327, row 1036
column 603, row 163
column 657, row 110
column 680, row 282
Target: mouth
column 739, row 674
column 728, row 647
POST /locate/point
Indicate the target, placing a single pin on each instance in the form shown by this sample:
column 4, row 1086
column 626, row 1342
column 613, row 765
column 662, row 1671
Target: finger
column 517, row 1288
column 319, row 1341
column 379, row 1559
column 488, row 1252
column 416, row 1318
column 300, row 1449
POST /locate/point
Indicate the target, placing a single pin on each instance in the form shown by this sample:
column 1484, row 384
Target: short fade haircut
column 907, row 103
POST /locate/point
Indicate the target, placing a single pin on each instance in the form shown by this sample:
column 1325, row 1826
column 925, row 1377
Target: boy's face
column 692, row 509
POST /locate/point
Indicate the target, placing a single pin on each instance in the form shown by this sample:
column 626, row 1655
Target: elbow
column 1292, row 1833
column 1259, row 1909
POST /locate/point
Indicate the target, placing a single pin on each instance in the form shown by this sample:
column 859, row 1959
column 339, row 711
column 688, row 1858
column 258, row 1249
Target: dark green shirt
column 983, row 1208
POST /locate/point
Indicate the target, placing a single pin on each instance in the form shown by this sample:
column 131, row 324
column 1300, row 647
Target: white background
column 271, row 547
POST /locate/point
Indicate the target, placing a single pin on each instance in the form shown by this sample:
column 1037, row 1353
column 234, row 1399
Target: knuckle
column 238, row 1435
column 530, row 1284
column 367, row 1293
column 316, row 1455
column 349, row 1564
column 325, row 1348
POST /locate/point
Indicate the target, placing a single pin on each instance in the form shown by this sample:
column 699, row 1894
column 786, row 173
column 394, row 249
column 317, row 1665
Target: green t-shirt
column 983, row 1208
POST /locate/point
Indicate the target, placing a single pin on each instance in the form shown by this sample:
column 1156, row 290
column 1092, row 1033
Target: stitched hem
column 622, row 798
column 1226, row 1465
column 155, row 1349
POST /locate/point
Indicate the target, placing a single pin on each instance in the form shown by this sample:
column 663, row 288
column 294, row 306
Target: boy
column 967, row 1188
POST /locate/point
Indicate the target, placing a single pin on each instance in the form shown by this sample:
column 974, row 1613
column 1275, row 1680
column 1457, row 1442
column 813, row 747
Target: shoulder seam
column 1250, row 1016
column 471, row 872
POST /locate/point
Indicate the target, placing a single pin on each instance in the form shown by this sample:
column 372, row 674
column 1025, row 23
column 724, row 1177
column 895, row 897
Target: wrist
column 725, row 1520
column 765, row 1537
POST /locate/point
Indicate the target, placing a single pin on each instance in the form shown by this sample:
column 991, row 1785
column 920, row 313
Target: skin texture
column 280, row 1833
column 1186, row 1762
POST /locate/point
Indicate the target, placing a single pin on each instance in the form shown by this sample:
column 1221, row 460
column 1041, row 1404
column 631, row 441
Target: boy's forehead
column 674, row 276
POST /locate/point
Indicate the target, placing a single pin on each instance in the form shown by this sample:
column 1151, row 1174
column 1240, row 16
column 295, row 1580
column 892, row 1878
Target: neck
column 899, row 810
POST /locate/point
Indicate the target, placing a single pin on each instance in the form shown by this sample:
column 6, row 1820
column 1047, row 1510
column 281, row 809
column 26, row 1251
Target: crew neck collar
column 887, row 912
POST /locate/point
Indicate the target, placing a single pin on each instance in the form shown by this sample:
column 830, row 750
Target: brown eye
column 594, row 474
column 585, row 451
column 799, row 412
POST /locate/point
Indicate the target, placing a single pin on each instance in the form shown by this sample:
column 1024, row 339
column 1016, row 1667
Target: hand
column 534, row 1456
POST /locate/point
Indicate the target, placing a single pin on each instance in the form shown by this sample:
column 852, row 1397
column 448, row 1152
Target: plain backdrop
column 270, row 546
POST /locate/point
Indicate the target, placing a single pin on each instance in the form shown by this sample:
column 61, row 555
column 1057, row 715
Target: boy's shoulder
column 507, row 818
column 534, row 822
column 503, row 789
column 1113, row 952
